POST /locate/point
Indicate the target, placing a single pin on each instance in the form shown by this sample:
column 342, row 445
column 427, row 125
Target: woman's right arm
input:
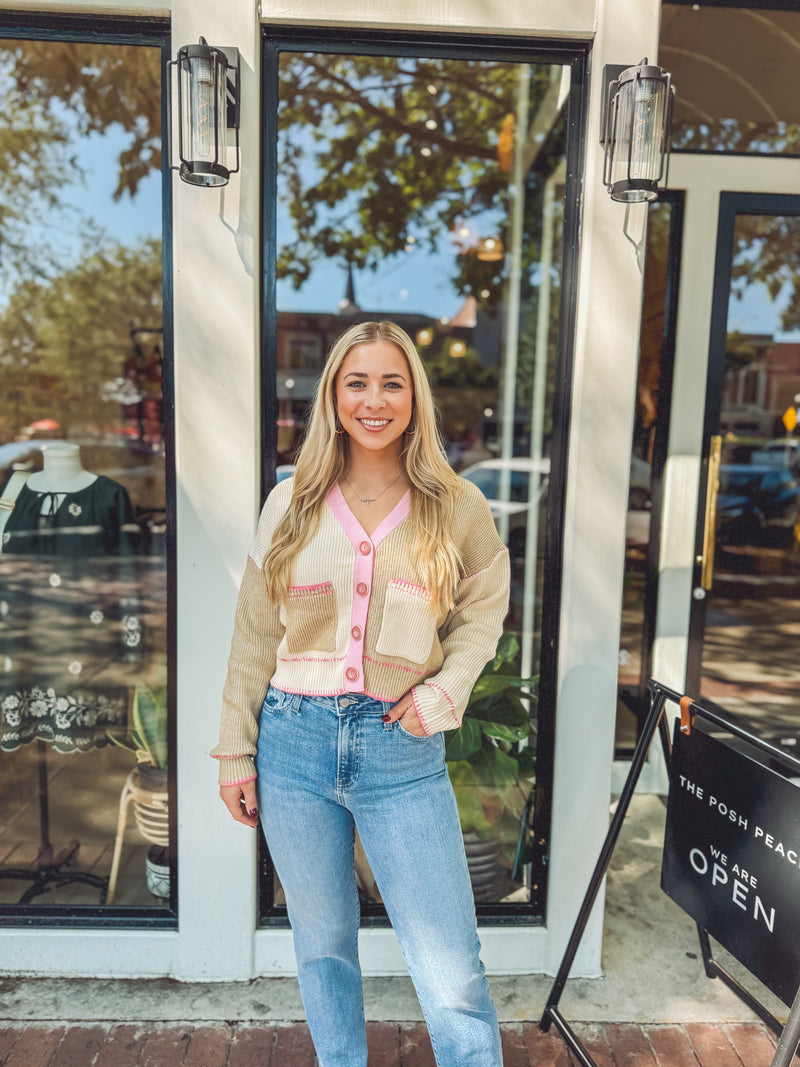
column 251, row 664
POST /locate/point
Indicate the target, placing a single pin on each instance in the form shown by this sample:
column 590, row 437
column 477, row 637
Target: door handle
column 710, row 528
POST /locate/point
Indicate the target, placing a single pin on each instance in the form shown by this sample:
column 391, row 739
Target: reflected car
column 516, row 501
column 753, row 499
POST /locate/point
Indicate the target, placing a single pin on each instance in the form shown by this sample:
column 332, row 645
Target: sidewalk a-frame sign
column 731, row 857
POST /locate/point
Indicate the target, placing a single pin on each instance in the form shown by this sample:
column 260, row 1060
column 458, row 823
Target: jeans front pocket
column 277, row 702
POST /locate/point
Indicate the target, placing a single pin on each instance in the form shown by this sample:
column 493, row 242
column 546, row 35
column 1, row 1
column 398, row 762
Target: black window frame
column 575, row 55
column 152, row 32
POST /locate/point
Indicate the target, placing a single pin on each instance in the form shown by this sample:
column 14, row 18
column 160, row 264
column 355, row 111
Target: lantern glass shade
column 490, row 249
column 637, row 133
column 203, row 104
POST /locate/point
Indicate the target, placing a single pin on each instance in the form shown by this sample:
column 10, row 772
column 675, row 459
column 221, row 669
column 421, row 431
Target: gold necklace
column 372, row 499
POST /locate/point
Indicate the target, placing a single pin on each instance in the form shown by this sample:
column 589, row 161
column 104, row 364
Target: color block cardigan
column 359, row 620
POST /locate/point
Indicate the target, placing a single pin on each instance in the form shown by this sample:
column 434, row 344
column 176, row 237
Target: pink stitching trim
column 297, row 592
column 422, row 722
column 433, row 685
column 310, row 659
column 409, row 587
column 393, row 666
column 241, row 781
column 313, row 693
column 253, row 561
column 386, row 700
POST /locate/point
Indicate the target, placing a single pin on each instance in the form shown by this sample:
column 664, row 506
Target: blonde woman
column 374, row 594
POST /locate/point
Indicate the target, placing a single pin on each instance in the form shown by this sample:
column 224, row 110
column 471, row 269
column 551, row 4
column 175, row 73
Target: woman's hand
column 240, row 800
column 404, row 710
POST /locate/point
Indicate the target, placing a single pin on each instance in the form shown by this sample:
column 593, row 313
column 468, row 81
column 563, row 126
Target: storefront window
column 431, row 191
column 735, row 72
column 83, row 601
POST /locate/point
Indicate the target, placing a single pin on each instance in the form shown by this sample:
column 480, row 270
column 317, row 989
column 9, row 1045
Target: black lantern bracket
column 623, row 178
column 205, row 124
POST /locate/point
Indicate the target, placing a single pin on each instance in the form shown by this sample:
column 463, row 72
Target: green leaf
column 465, row 741
column 495, row 767
column 150, row 723
column 503, row 733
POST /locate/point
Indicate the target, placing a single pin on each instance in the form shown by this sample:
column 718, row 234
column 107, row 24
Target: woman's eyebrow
column 364, row 374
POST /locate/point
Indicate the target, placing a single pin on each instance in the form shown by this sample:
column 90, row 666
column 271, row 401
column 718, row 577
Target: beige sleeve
column 257, row 632
column 470, row 636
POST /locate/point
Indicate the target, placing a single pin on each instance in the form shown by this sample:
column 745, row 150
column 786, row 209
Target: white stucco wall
column 216, row 347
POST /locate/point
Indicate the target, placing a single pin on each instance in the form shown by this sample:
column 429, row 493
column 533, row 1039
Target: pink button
column 365, row 548
column 355, row 633
column 362, row 588
column 351, row 674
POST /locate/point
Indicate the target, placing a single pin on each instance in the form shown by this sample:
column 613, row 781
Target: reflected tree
column 64, row 341
column 55, row 94
column 379, row 155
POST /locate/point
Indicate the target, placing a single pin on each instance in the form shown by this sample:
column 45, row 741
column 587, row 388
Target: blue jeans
column 327, row 765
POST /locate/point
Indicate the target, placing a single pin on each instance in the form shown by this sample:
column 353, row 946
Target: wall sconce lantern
column 635, row 130
column 490, row 249
column 208, row 106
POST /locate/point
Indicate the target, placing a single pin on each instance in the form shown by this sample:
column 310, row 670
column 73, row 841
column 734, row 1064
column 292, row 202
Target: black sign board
column 732, row 854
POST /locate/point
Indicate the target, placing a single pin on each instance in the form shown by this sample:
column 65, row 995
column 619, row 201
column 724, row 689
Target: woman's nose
column 374, row 398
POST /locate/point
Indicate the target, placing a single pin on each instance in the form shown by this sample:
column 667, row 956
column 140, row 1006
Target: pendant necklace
column 372, row 499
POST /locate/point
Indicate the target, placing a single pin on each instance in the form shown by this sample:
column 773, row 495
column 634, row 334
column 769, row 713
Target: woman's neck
column 373, row 468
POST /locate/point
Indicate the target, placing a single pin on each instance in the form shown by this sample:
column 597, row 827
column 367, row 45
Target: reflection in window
column 430, row 192
column 83, row 562
column 735, row 73
column 652, row 398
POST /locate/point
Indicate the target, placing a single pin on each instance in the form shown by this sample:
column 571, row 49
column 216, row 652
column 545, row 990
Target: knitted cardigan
column 358, row 620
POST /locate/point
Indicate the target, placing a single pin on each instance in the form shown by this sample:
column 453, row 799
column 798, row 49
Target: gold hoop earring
column 410, row 432
column 338, row 424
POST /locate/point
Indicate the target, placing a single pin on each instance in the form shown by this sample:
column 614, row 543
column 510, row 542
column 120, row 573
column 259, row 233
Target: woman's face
column 374, row 395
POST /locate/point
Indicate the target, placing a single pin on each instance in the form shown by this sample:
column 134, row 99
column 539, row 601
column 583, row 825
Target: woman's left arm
column 470, row 633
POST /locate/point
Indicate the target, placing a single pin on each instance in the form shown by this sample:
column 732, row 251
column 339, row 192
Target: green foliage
column 64, row 342
column 54, row 95
column 377, row 150
column 148, row 737
column 492, row 756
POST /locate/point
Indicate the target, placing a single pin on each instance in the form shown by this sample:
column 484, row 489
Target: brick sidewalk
column 391, row 1045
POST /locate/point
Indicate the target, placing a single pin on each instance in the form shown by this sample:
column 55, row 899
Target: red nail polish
column 386, row 718
column 253, row 812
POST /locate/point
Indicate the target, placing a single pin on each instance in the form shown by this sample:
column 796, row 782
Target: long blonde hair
column 323, row 458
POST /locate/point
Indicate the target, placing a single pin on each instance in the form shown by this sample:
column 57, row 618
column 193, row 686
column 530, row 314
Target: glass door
column 429, row 187
column 745, row 616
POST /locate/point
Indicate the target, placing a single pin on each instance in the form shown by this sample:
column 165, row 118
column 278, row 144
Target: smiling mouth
column 374, row 424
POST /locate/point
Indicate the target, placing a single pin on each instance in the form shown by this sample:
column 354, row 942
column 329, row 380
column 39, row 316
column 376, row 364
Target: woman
column 374, row 594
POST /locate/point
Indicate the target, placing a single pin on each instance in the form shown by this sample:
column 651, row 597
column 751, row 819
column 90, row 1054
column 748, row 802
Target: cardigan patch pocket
column 310, row 612
column 408, row 626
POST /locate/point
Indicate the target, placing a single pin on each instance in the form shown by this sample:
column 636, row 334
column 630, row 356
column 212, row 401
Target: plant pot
column 156, row 867
column 488, row 872
column 153, row 779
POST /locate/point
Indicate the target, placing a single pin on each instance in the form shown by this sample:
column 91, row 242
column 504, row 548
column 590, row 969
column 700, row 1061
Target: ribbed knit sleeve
column 471, row 631
column 251, row 664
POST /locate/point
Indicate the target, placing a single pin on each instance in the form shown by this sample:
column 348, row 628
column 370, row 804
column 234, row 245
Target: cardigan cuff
column 235, row 770
column 435, row 710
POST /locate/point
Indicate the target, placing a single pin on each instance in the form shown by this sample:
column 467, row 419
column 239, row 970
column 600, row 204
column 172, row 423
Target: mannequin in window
column 72, row 624
column 66, row 511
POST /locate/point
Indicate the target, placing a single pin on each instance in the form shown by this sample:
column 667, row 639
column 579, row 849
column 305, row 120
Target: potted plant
column 147, row 739
column 491, row 762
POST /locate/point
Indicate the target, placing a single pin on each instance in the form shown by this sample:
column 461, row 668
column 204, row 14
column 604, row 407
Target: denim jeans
column 327, row 765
